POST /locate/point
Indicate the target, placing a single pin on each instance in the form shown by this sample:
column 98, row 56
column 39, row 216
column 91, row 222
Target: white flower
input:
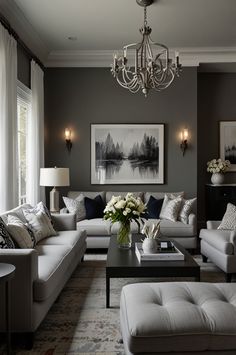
column 125, row 213
column 128, row 210
column 120, row 204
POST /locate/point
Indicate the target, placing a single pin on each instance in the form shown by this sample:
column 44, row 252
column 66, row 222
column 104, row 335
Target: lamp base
column 54, row 200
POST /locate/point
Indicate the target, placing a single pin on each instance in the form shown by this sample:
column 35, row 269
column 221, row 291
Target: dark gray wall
column 216, row 102
column 77, row 97
column 23, row 66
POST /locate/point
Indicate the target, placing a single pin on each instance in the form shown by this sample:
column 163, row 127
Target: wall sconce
column 68, row 139
column 184, row 140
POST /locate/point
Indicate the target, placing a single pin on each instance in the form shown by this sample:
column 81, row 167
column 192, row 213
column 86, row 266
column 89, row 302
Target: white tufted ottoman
column 180, row 318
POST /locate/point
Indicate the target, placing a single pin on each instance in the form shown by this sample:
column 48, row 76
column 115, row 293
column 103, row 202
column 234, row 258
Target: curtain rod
column 12, row 32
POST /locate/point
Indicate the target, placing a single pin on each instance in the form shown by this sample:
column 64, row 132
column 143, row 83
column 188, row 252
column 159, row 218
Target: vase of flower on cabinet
column 217, row 178
column 124, row 236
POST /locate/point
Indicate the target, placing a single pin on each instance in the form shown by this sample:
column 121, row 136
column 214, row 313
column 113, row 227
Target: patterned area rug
column 79, row 323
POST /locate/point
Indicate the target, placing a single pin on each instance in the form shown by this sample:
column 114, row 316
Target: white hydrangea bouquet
column 124, row 210
column 218, row 166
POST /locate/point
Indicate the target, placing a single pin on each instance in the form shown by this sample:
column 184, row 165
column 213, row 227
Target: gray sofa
column 99, row 231
column 41, row 273
column 220, row 247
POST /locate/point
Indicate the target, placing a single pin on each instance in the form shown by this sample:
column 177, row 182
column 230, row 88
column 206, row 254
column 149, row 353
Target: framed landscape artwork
column 127, row 153
column 228, row 142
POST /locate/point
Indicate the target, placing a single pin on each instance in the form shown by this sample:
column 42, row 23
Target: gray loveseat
column 99, row 231
column 41, row 273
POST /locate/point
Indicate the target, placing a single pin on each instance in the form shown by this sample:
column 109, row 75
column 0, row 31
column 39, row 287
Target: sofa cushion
column 53, row 264
column 109, row 194
column 219, row 239
column 178, row 317
column 69, row 238
column 18, row 212
column 96, row 226
column 94, row 207
column 175, row 229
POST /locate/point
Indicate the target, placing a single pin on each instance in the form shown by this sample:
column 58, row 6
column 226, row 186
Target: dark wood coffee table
column 124, row 263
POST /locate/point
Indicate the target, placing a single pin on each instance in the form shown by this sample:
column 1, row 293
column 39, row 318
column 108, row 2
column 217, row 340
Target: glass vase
column 124, row 236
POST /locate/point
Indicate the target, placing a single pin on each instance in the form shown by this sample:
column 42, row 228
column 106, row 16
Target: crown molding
column 189, row 57
column 23, row 28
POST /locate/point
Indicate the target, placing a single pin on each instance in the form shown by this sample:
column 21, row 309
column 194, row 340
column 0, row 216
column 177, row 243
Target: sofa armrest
column 26, row 263
column 233, row 239
column 192, row 220
column 213, row 224
column 64, row 222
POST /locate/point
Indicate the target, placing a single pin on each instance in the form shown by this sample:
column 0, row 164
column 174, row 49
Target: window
column 23, row 114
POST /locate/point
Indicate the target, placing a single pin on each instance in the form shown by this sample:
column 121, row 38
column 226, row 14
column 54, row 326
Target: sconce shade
column 67, row 133
column 54, row 177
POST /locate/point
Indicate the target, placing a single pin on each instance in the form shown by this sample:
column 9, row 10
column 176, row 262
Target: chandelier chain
column 145, row 16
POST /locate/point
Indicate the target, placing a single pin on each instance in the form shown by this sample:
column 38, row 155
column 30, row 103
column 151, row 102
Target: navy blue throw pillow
column 154, row 207
column 94, row 207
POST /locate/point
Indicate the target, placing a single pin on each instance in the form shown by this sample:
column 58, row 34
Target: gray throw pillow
column 185, row 209
column 170, row 208
column 40, row 224
column 229, row 218
column 20, row 232
column 76, row 206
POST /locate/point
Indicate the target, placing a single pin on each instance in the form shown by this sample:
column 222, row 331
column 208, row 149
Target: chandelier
column 152, row 68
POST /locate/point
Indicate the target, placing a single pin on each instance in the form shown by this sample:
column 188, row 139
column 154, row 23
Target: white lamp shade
column 54, row 177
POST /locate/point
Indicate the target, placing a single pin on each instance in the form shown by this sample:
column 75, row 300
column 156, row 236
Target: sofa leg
column 204, row 258
column 228, row 277
column 82, row 259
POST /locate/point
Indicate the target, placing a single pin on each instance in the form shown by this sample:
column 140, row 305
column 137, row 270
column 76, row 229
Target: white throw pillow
column 185, row 209
column 40, row 207
column 40, row 224
column 229, row 219
column 170, row 208
column 20, row 232
column 76, row 206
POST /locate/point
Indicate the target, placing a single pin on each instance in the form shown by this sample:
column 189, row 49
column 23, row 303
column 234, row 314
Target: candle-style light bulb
column 185, row 134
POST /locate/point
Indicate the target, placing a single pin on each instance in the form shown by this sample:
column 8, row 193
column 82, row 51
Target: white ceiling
column 195, row 26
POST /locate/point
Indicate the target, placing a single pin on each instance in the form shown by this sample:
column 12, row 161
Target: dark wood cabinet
column 217, row 197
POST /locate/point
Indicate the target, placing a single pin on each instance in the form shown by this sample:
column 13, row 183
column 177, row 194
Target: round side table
column 6, row 274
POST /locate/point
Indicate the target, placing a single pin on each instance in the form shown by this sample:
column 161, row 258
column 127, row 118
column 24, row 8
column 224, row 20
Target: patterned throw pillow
column 40, row 224
column 6, row 241
column 76, row 206
column 229, row 219
column 20, row 232
column 185, row 210
column 40, row 207
column 170, row 208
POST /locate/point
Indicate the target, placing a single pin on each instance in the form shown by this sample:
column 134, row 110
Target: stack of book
column 167, row 252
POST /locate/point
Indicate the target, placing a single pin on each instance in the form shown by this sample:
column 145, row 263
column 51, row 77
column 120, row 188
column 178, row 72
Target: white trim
column 103, row 58
column 23, row 28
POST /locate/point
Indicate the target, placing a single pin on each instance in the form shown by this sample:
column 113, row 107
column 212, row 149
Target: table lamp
column 54, row 177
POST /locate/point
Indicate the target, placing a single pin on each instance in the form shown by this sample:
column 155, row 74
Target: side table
column 6, row 274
